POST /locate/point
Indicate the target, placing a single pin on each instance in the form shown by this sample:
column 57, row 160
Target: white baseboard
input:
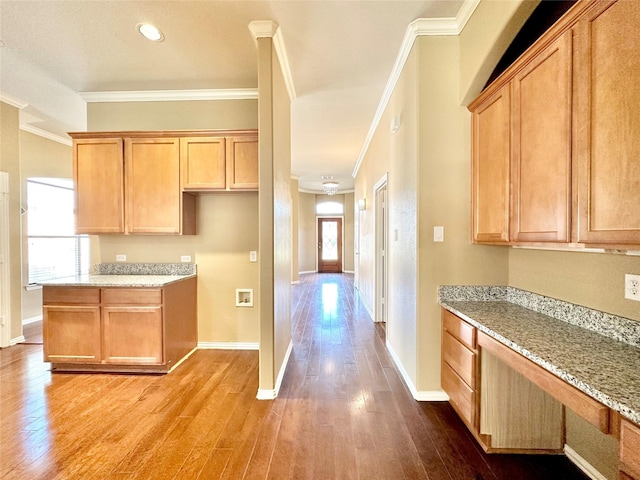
column 229, row 345
column 264, row 394
column 421, row 396
column 307, row 272
column 27, row 321
column 366, row 307
column 295, row 282
column 349, row 271
column 582, row 464
column 15, row 341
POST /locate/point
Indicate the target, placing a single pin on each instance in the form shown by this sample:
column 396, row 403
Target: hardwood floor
column 343, row 413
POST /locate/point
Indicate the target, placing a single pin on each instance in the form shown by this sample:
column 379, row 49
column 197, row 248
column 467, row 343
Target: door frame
column 381, row 254
column 341, row 243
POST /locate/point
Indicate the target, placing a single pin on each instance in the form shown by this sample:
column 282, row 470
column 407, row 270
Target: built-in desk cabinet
column 512, row 405
column 555, row 137
column 119, row 329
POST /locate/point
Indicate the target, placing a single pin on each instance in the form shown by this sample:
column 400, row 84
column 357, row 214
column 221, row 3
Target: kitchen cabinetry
column 130, row 185
column 541, row 146
column 119, row 329
column 629, row 450
column 607, row 102
column 571, row 108
column 220, row 163
column 98, row 173
column 491, row 168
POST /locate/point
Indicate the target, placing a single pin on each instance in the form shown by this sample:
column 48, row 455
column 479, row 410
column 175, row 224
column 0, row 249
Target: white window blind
column 54, row 250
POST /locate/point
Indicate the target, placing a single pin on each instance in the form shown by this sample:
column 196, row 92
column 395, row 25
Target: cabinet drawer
column 459, row 358
column 630, row 449
column 461, row 396
column 459, row 329
column 131, row 296
column 70, row 295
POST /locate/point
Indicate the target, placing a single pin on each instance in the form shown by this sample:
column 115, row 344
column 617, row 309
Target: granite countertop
column 605, row 368
column 129, row 275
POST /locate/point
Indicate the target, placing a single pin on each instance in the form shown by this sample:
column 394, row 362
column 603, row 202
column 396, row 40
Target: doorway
column 381, row 265
column 329, row 245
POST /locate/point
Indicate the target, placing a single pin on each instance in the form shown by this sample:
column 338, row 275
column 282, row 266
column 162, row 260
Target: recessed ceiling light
column 150, row 32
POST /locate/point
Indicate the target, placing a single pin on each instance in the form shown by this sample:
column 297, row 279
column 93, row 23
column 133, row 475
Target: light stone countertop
column 606, row 369
column 148, row 281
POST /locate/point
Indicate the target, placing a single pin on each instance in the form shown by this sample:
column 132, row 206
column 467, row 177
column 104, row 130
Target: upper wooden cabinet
column 98, row 173
column 144, row 182
column 541, row 147
column 220, row 163
column 573, row 115
column 607, row 103
column 491, row 146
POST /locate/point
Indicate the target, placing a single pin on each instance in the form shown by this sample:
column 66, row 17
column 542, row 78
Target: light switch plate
column 438, row 234
column 253, row 256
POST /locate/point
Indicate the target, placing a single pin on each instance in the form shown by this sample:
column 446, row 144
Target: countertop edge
column 125, row 281
column 585, row 388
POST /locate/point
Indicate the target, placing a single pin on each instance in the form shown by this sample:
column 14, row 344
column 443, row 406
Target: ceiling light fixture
column 150, row 32
column 330, row 187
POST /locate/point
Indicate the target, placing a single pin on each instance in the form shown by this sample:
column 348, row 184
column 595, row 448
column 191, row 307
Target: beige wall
column 227, row 222
column 274, row 132
column 306, row 232
column 10, row 163
column 39, row 157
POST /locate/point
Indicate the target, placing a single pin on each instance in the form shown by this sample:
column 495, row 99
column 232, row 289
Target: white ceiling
column 341, row 54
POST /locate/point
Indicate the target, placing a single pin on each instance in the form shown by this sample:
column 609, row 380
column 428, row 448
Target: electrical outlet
column 632, row 287
column 185, row 258
column 253, row 256
column 121, row 258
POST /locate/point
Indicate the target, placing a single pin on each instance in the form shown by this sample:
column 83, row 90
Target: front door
column 329, row 245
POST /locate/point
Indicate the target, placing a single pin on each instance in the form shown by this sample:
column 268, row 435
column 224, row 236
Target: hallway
column 343, row 413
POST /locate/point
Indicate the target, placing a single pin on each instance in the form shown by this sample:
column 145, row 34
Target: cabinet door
column 98, row 173
column 541, row 146
column 490, row 169
column 202, row 163
column 132, row 335
column 242, row 163
column 71, row 334
column 630, row 449
column 607, row 69
column 154, row 202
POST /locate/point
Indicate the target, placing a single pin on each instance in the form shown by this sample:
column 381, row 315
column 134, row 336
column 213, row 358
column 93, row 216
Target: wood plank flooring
column 343, row 413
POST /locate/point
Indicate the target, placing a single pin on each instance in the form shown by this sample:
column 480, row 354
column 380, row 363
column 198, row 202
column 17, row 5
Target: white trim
column 27, row 321
column 306, row 272
column 264, row 394
column 421, row 396
column 419, row 27
column 170, row 95
column 11, row 100
column 32, row 286
column 270, row 29
column 15, row 341
column 348, row 271
column 295, row 282
column 25, row 127
column 229, row 345
column 320, row 192
column 582, row 464
column 365, row 305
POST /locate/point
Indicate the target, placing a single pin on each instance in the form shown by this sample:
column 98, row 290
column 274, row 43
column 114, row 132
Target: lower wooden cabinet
column 629, row 450
column 119, row 329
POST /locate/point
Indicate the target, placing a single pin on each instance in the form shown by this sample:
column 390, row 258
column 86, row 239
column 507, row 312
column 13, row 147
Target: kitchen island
column 128, row 318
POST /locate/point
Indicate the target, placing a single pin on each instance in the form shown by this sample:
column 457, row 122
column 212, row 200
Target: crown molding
column 43, row 133
column 13, row 101
column 170, row 95
column 270, row 29
column 417, row 28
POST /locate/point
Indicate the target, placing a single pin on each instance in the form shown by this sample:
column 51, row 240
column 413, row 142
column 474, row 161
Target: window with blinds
column 54, row 250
